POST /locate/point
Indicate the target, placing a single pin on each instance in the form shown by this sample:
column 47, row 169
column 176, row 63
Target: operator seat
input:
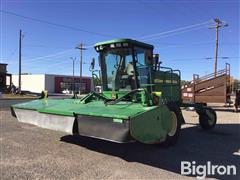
column 129, row 69
column 128, row 76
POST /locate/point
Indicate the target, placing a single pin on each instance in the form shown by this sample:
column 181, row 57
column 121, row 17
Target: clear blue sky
column 184, row 50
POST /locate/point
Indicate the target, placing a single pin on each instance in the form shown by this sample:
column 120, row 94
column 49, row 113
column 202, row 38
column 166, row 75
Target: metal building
column 53, row 83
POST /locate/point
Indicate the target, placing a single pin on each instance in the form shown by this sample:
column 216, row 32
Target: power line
column 182, row 45
column 169, row 45
column 56, row 24
column 54, row 64
column 50, row 55
column 173, row 34
column 174, row 30
column 204, row 58
column 43, row 58
column 176, row 44
column 193, row 13
column 59, row 61
column 44, row 46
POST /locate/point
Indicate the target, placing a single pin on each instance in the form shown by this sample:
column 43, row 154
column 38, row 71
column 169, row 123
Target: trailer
column 209, row 88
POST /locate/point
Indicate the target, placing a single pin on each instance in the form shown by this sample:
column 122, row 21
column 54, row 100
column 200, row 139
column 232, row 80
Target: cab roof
column 129, row 41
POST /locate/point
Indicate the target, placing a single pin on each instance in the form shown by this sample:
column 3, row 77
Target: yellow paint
column 114, row 96
column 173, row 81
column 157, row 93
column 158, row 81
column 166, row 81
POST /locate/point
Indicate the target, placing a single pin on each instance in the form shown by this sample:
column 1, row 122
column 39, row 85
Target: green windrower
column 140, row 100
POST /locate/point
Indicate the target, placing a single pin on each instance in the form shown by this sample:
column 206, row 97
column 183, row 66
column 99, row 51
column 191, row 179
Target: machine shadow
column 217, row 146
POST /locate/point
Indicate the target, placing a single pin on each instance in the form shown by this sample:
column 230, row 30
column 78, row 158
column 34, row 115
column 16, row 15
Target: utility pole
column 218, row 25
column 73, row 78
column 20, row 62
column 81, row 48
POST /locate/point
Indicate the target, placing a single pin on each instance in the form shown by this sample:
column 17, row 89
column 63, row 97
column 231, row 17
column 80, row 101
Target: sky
column 178, row 29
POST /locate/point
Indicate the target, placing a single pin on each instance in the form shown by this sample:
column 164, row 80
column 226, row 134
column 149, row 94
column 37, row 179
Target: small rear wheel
column 207, row 119
column 173, row 134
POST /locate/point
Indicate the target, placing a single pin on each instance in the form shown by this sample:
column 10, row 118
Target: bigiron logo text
column 208, row 169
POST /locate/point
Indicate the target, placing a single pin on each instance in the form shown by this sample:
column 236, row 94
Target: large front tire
column 176, row 119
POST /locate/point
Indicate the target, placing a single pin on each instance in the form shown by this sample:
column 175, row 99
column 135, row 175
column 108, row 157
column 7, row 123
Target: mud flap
column 47, row 121
column 104, row 128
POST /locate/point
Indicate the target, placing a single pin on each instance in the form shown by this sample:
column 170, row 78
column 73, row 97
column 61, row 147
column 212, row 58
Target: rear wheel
column 173, row 134
column 207, row 119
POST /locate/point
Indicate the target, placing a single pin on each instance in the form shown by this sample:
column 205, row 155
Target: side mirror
column 99, row 61
column 92, row 64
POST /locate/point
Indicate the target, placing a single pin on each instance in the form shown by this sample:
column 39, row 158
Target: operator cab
column 125, row 64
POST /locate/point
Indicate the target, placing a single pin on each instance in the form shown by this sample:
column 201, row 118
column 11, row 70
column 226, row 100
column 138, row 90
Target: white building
column 51, row 82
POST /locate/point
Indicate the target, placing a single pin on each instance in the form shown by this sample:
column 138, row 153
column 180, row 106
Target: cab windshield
column 120, row 69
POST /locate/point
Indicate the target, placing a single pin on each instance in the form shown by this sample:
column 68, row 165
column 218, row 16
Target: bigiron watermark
column 208, row 169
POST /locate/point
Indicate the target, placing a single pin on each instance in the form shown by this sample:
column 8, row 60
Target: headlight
column 112, row 45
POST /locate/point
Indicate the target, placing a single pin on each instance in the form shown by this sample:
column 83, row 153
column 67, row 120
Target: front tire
column 173, row 134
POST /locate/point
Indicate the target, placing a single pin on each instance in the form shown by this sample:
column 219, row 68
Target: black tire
column 207, row 119
column 172, row 139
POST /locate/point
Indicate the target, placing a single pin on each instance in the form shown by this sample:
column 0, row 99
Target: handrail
column 179, row 72
column 171, row 78
column 218, row 73
column 210, row 76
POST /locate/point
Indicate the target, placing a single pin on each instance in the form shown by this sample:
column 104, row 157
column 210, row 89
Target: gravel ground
column 29, row 152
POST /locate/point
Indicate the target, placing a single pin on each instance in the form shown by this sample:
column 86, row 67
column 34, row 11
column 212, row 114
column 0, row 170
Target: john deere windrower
column 140, row 100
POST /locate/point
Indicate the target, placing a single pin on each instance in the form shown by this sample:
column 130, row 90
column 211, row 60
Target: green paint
column 169, row 84
column 152, row 126
column 68, row 107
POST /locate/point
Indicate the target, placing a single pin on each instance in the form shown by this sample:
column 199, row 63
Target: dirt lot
column 29, row 152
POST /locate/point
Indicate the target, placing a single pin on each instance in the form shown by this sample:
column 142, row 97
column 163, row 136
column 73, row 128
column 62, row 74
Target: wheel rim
column 173, row 129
